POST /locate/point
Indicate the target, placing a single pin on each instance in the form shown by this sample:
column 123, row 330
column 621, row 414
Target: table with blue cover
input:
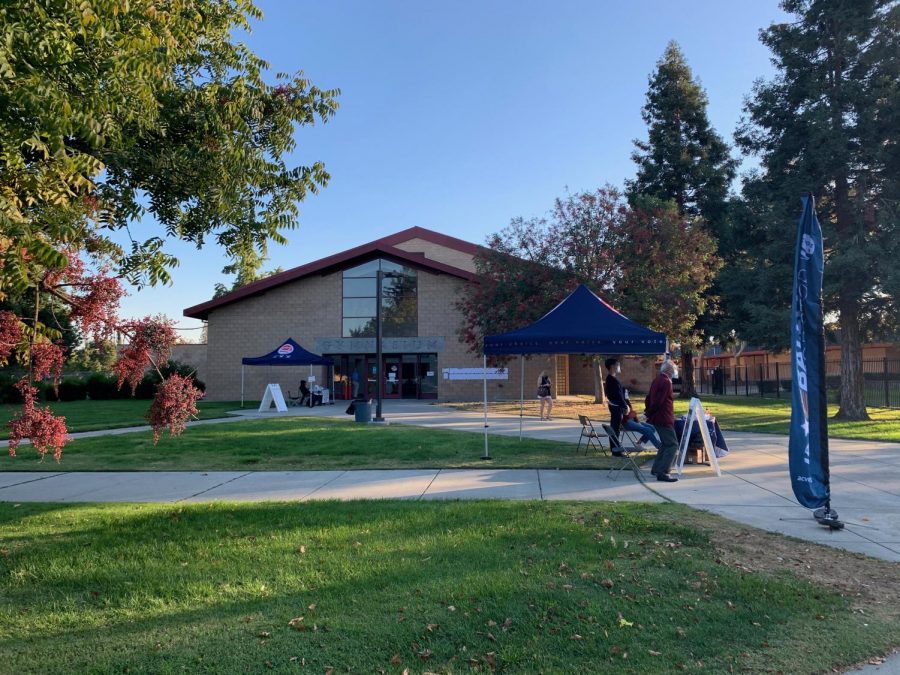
column 696, row 439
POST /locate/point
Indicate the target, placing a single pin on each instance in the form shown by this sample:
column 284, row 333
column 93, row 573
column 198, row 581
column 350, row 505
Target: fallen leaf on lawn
column 396, row 660
column 405, row 671
column 431, row 627
column 679, row 632
column 357, row 543
column 568, row 587
column 297, row 623
column 301, row 549
column 614, row 649
column 608, row 583
column 312, row 607
column 264, row 634
column 491, row 637
column 564, row 568
column 507, row 623
column 425, row 654
column 653, row 653
column 294, row 658
column 491, row 658
column 729, row 604
column 329, row 670
column 451, row 608
column 491, row 623
column 623, row 623
column 576, row 636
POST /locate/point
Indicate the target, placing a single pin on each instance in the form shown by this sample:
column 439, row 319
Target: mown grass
column 735, row 413
column 302, row 443
column 385, row 586
column 115, row 414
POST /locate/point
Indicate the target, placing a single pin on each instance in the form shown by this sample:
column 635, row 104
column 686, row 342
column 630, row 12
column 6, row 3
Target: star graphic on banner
column 806, row 427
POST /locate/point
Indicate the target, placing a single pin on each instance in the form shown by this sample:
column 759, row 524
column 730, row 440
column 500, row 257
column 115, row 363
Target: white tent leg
column 521, row 392
column 242, row 385
column 487, row 454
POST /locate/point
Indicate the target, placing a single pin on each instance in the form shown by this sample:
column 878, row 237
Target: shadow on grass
column 212, row 588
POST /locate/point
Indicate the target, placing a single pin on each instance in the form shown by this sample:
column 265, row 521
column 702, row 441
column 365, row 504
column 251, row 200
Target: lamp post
column 379, row 360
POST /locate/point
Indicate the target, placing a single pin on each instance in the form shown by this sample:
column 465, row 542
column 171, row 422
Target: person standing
column 661, row 414
column 544, row 394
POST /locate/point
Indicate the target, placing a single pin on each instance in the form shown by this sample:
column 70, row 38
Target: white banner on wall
column 476, row 373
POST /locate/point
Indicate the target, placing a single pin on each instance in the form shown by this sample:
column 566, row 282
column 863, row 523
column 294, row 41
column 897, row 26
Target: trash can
column 363, row 412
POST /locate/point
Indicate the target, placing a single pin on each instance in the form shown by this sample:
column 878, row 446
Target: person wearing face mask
column 621, row 412
column 615, row 398
column 661, row 414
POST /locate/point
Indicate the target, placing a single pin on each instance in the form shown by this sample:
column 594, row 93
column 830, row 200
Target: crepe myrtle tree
column 113, row 110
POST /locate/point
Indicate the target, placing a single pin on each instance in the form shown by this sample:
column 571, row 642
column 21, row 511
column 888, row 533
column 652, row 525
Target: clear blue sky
column 458, row 116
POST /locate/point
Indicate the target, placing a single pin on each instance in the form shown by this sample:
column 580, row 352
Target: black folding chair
column 590, row 437
column 626, row 453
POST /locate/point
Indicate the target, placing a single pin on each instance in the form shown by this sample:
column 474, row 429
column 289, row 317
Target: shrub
column 102, row 387
column 70, row 389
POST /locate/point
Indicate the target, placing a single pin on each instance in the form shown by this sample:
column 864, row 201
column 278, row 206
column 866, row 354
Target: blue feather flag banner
column 808, row 445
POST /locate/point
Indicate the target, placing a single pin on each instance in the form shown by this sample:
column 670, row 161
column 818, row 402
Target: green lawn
column 773, row 416
column 385, row 586
column 288, row 443
column 92, row 415
column 735, row 413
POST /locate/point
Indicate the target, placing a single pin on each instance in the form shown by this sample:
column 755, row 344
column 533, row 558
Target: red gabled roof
column 385, row 246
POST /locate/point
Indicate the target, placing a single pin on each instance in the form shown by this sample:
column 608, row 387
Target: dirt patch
column 872, row 585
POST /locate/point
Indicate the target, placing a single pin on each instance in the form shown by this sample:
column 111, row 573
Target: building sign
column 476, row 373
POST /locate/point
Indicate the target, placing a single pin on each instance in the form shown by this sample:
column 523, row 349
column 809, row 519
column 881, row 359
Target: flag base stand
column 828, row 517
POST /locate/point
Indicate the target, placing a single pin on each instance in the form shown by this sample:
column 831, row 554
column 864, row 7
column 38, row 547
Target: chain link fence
column 881, row 381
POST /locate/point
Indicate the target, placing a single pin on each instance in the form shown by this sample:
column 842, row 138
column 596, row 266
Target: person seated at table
column 305, row 394
column 647, row 432
column 316, row 396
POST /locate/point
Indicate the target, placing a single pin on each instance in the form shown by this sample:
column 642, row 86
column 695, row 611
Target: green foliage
column 826, row 124
column 93, row 356
column 683, row 158
column 113, row 110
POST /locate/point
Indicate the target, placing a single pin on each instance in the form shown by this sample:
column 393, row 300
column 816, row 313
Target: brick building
column 328, row 306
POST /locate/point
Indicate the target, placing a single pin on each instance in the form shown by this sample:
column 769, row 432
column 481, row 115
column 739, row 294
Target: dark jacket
column 660, row 405
column 615, row 395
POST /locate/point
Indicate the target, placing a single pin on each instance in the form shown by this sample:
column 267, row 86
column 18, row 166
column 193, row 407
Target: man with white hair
column 661, row 414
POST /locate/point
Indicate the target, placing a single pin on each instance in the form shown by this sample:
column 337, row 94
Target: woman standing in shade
column 544, row 394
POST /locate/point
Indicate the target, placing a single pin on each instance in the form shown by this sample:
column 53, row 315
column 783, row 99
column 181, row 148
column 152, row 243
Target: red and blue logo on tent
column 286, row 348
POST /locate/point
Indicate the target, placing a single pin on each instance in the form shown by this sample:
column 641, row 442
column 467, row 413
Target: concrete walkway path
column 754, row 488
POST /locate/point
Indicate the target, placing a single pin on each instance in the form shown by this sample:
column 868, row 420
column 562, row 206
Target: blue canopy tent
column 583, row 323
column 289, row 353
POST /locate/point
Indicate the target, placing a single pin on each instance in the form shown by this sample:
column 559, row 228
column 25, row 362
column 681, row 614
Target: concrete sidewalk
column 754, row 488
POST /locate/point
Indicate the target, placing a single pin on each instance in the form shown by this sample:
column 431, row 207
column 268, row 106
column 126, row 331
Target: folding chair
column 627, row 453
column 590, row 436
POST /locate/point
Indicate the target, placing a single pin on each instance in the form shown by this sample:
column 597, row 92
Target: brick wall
column 193, row 355
column 310, row 308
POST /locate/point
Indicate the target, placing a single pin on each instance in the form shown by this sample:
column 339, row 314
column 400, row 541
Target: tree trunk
column 853, row 400
column 688, row 389
column 598, row 381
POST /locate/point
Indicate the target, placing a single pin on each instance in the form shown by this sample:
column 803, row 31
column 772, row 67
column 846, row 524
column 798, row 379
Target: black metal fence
column 881, row 381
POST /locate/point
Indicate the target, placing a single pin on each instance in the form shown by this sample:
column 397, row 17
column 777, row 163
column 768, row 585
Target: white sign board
column 696, row 415
column 311, row 379
column 476, row 373
column 273, row 395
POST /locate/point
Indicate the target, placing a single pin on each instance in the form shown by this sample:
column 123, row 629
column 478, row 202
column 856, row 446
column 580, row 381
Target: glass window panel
column 359, row 307
column 365, row 270
column 359, row 288
column 359, row 328
column 390, row 266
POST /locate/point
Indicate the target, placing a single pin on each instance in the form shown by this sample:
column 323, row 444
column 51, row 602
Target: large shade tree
column 115, row 110
column 685, row 161
column 632, row 255
column 826, row 124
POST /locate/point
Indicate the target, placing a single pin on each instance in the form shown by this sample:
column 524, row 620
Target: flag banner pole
column 808, row 442
column 487, row 452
